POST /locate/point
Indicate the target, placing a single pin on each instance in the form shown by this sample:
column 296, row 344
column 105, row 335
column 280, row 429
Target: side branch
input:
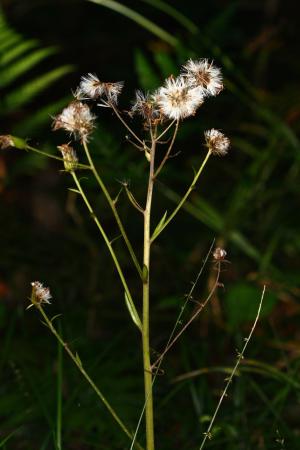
column 128, row 296
column 184, row 198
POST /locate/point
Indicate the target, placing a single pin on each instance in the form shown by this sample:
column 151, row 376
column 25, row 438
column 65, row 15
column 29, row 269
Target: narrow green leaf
column 55, row 317
column 132, row 311
column 10, row 73
column 28, row 91
column 174, row 13
column 160, row 225
column 8, row 39
column 3, row 442
column 17, row 50
column 148, row 78
column 78, row 359
column 138, row 18
column 74, row 190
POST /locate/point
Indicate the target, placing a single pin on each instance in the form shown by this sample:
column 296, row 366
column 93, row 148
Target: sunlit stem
column 184, row 198
column 78, row 364
column 113, row 208
column 146, row 312
column 207, row 434
column 108, row 243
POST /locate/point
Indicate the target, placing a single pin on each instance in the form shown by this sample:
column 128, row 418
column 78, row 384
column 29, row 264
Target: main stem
column 146, row 291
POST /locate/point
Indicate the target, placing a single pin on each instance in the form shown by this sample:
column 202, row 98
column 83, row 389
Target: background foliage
column 247, row 202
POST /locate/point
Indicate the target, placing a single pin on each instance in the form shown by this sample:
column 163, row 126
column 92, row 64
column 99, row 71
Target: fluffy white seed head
column 40, row 294
column 177, row 99
column 91, row 87
column 205, row 75
column 69, row 156
column 217, row 142
column 77, row 119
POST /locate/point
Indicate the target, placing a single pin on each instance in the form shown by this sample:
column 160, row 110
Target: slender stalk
column 207, row 434
column 146, row 291
column 59, row 393
column 182, row 201
column 110, row 248
column 113, row 208
column 165, row 158
column 78, row 364
column 112, row 105
column 49, row 155
column 165, row 130
column 198, row 310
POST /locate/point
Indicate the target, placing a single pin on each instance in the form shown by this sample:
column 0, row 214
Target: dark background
column 248, row 202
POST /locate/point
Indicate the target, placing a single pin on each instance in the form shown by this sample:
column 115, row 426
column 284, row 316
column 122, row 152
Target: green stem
column 49, row 155
column 184, row 198
column 78, row 364
column 146, row 291
column 114, row 209
column 111, row 250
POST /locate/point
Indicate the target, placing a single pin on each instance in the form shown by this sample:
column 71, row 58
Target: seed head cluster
column 178, row 98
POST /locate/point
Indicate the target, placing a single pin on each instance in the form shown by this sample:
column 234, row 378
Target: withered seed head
column 6, row 141
column 219, row 254
column 40, row 294
column 77, row 119
column 69, row 156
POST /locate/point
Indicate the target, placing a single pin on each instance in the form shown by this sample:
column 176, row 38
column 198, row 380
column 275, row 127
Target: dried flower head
column 76, row 118
column 217, row 142
column 40, row 294
column 219, row 254
column 204, row 74
column 69, row 156
column 6, row 141
column 177, row 99
column 91, row 87
column 145, row 106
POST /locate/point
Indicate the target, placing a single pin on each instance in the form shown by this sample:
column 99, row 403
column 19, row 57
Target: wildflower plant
column 161, row 113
